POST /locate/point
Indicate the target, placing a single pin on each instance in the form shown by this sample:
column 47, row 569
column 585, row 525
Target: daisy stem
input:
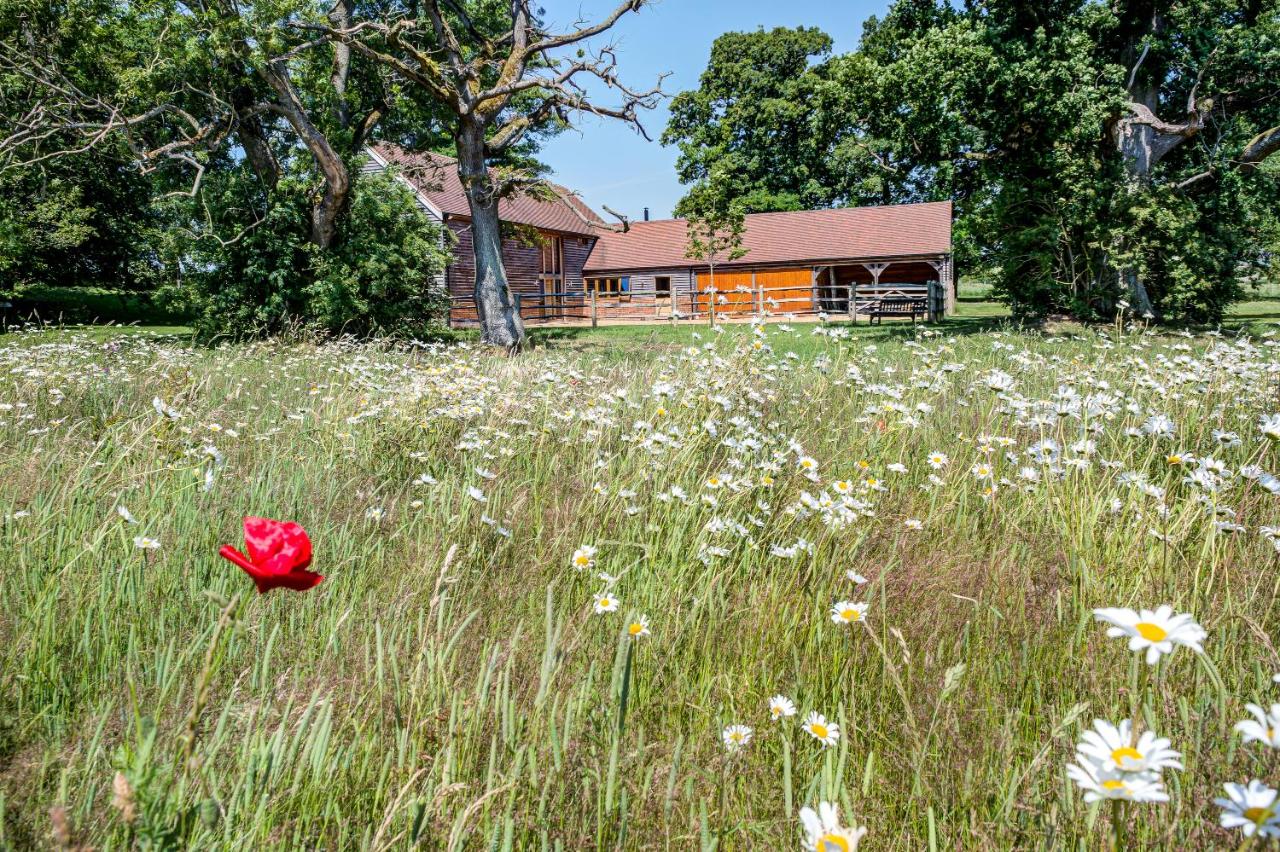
column 1118, row 840
column 786, row 776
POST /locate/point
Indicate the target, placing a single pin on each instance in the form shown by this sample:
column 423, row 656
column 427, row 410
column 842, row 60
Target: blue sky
column 606, row 161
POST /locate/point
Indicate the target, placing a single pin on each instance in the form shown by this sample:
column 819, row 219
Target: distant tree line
column 1096, row 152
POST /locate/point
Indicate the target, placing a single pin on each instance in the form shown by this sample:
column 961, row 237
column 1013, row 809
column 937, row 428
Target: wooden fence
column 836, row 301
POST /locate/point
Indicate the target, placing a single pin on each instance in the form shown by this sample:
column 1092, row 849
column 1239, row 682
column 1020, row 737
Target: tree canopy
column 1096, row 152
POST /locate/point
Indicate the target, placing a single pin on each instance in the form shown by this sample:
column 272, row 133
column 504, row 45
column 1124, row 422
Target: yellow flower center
column 1151, row 632
column 819, row 731
column 1257, row 815
column 1113, row 784
column 850, row 614
column 582, row 561
column 736, row 736
column 604, row 602
column 830, row 842
column 636, row 628
column 1124, row 753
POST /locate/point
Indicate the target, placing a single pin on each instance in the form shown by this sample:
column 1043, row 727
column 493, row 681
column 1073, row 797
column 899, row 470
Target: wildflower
column 913, row 524
column 1099, row 783
column 938, row 461
column 605, row 602
column 279, row 555
column 1113, row 749
column 780, row 706
column 126, row 514
column 820, row 729
column 1265, row 730
column 143, row 542
column 847, row 612
column 857, row 578
column 824, row 833
column 476, row 494
column 1269, row 425
column 1252, row 809
column 735, row 736
column 1157, row 631
column 808, row 464
column 638, row 628
column 584, row 557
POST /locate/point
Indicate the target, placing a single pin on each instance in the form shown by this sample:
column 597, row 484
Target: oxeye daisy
column 1156, row 631
column 781, row 706
column 857, row 578
column 1266, row 728
column 938, row 461
column 824, row 833
column 1251, row 808
column 606, row 602
column 821, row 730
column 842, row 486
column 735, row 736
column 639, row 627
column 807, row 464
column 1112, row 748
column 1099, row 783
column 143, row 542
column 847, row 612
column 584, row 557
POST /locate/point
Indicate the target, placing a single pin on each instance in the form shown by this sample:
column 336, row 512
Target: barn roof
column 801, row 237
column 435, row 177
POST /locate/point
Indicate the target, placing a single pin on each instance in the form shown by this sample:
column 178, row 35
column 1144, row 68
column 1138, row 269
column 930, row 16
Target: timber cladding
column 780, row 290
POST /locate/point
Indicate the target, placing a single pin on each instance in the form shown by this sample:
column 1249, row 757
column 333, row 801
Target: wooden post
column 594, row 320
column 757, row 295
column 711, row 303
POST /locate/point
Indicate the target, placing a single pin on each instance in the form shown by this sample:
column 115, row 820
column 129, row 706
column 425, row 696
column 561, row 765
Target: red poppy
column 279, row 555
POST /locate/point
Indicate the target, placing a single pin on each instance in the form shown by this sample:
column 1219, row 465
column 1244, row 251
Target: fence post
column 593, row 308
column 711, row 306
column 849, row 304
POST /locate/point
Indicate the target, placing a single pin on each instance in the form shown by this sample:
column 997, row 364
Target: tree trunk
column 500, row 323
column 337, row 182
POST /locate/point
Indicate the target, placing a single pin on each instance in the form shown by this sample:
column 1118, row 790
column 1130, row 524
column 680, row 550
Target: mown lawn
column 452, row 684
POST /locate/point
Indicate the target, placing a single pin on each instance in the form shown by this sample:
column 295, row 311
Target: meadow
column 566, row 593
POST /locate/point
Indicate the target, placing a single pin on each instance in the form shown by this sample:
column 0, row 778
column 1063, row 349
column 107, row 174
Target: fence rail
column 566, row 307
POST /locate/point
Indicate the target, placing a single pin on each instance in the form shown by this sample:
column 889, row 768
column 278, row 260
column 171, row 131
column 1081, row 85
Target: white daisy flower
column 638, row 628
column 1099, row 783
column 820, row 729
column 1252, row 809
column 606, row 602
column 584, row 557
column 735, row 736
column 857, row 578
column 1113, row 748
column 143, row 542
column 847, row 612
column 1157, row 631
column 824, row 833
column 1266, row 728
column 780, row 706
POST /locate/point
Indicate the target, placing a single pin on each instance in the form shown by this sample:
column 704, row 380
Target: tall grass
column 449, row 684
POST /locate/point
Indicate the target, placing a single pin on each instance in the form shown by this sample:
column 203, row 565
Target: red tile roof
column 435, row 176
column 801, row 237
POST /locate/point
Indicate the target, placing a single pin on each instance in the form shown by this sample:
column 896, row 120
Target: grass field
column 453, row 683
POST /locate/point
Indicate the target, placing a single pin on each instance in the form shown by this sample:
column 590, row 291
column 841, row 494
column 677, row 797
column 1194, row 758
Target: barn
column 566, row 265
column 835, row 261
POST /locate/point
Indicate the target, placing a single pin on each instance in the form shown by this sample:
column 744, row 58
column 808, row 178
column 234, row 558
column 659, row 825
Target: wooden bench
column 898, row 307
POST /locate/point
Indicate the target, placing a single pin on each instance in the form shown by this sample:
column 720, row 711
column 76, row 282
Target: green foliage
column 1013, row 111
column 380, row 279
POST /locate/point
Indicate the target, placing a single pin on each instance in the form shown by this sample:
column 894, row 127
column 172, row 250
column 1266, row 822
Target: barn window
column 618, row 288
column 662, row 286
